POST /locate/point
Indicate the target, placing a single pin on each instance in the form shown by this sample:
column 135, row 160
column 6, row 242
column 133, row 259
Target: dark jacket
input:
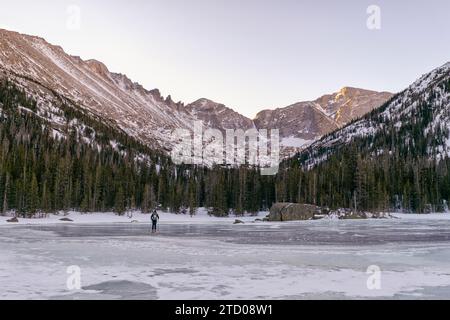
column 154, row 217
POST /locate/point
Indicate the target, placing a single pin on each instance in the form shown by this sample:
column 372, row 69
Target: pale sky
column 248, row 54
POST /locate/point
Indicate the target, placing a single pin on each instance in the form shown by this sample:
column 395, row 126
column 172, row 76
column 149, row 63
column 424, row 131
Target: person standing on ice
column 155, row 218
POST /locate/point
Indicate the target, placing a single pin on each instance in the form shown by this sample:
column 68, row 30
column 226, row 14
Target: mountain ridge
column 146, row 114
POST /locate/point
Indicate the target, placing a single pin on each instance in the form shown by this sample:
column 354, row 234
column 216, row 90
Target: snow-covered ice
column 209, row 258
column 201, row 216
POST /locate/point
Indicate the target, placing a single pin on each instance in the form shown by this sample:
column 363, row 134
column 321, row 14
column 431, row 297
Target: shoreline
column 138, row 218
column 171, row 218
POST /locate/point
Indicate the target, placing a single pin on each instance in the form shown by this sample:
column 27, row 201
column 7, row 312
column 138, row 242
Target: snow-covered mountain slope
column 415, row 122
column 48, row 73
column 141, row 113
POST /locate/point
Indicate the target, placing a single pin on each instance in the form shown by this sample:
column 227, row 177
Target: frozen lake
column 301, row 260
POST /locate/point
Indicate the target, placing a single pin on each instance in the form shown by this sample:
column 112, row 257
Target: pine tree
column 34, row 204
column 120, row 202
column 6, row 194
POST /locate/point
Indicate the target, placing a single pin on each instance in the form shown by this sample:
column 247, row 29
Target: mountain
column 418, row 118
column 303, row 123
column 76, row 136
column 141, row 113
column 216, row 115
column 397, row 157
column 46, row 72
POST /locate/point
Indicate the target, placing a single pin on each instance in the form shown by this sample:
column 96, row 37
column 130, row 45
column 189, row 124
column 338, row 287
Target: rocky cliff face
column 216, row 115
column 303, row 123
column 351, row 103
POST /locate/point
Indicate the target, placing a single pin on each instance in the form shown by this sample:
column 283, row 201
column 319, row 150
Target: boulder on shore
column 13, row 220
column 295, row 211
column 238, row 222
column 66, row 220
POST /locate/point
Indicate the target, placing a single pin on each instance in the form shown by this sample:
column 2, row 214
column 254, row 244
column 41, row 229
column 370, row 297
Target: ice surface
column 201, row 216
column 219, row 260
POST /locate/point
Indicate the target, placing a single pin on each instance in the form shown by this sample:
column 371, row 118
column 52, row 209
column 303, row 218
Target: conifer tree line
column 41, row 173
column 350, row 180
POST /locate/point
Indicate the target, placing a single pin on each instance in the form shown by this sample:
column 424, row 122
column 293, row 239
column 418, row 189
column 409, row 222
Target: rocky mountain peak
column 348, row 92
column 217, row 115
